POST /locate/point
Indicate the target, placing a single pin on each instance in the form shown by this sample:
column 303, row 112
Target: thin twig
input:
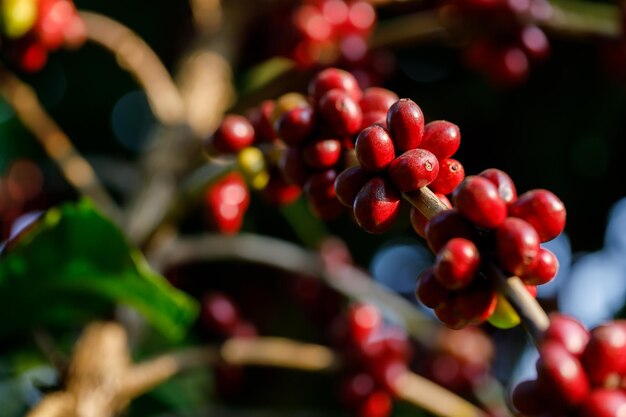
column 75, row 168
column 136, row 56
column 533, row 316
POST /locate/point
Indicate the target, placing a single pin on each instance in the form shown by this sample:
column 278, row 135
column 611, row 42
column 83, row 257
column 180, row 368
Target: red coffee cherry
column 429, row 290
column 543, row 269
column 374, row 149
column 457, row 263
column 502, row 181
column 517, row 245
column 543, row 210
column 279, row 192
column 527, row 398
column 233, row 134
column 451, row 174
column 292, row 166
column 376, row 206
column 356, row 388
column 442, row 138
column 374, row 118
column 605, row 354
column 334, row 78
column 604, row 403
column 341, row 112
column 349, row 183
column 321, row 185
column 325, row 208
column 405, row 122
column 295, row 125
column 477, row 199
column 568, row 332
column 261, row 120
column 377, row 404
column 322, row 153
column 448, row 314
column 413, row 170
column 561, row 375
column 477, row 302
column 445, row 226
column 226, row 203
column 219, row 313
column 363, row 320
column 376, row 99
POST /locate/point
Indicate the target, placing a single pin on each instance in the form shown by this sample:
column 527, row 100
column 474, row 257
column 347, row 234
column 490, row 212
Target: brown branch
column 136, row 56
column 75, row 168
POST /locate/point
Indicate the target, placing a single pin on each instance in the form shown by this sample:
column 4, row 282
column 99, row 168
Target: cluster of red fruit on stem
column 579, row 373
column 507, row 41
column 488, row 225
column 397, row 155
column 375, row 354
column 33, row 28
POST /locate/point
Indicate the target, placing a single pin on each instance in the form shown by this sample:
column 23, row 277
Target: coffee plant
column 371, row 208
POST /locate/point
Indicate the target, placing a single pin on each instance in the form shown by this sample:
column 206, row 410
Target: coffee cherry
column 445, row 226
column 287, row 102
column 261, row 120
column 325, row 208
column 605, row 354
column 376, row 206
column 279, row 192
column 374, row 149
column 219, row 313
column 604, row 403
column 504, row 184
column 341, row 112
column 449, row 315
column 374, row 118
column 527, row 398
column 451, row 174
column 233, row 134
column 568, row 332
column 517, row 245
column 543, row 210
column 378, row 404
column 321, row 185
column 457, row 263
column 292, row 166
column 295, row 125
column 442, row 138
column 477, row 302
column 333, row 78
column 349, row 183
column 226, row 202
column 405, row 122
column 542, row 270
column 356, row 388
column 413, row 170
column 376, row 99
column 561, row 375
column 322, row 153
column 363, row 320
column 429, row 291
column 477, row 199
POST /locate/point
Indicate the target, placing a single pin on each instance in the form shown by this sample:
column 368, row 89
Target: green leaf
column 73, row 266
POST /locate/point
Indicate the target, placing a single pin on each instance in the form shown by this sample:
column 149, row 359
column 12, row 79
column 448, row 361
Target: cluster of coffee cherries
column 375, row 355
column 396, row 155
column 508, row 43
column 221, row 319
column 33, row 28
column 489, row 227
column 579, row 373
column 328, row 31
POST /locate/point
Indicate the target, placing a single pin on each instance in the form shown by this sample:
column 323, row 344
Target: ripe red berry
column 333, row 78
column 543, row 210
column 477, row 199
column 605, row 354
column 376, row 206
column 363, row 320
column 295, row 125
column 292, row 166
column 279, row 192
column 325, row 208
column 429, row 290
column 413, row 170
column 517, row 245
column 340, row 112
column 374, row 118
column 442, row 138
column 376, row 99
column 226, row 203
column 322, row 153
column 528, row 399
column 219, row 313
column 233, row 134
column 543, row 269
column 604, row 403
column 356, row 388
column 261, row 120
column 405, row 122
column 374, row 149
column 321, row 185
column 457, row 263
column 449, row 315
column 502, row 181
column 445, row 226
column 451, row 174
column 477, row 302
column 349, row 183
column 568, row 332
column 377, row 404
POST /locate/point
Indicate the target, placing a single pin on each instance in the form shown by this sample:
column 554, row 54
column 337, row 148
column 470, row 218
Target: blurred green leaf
column 75, row 264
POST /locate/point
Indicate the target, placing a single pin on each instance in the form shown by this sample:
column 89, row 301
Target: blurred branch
column 75, row 168
column 136, row 56
column 583, row 18
column 207, row 14
column 280, row 254
column 408, row 29
column 102, row 379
